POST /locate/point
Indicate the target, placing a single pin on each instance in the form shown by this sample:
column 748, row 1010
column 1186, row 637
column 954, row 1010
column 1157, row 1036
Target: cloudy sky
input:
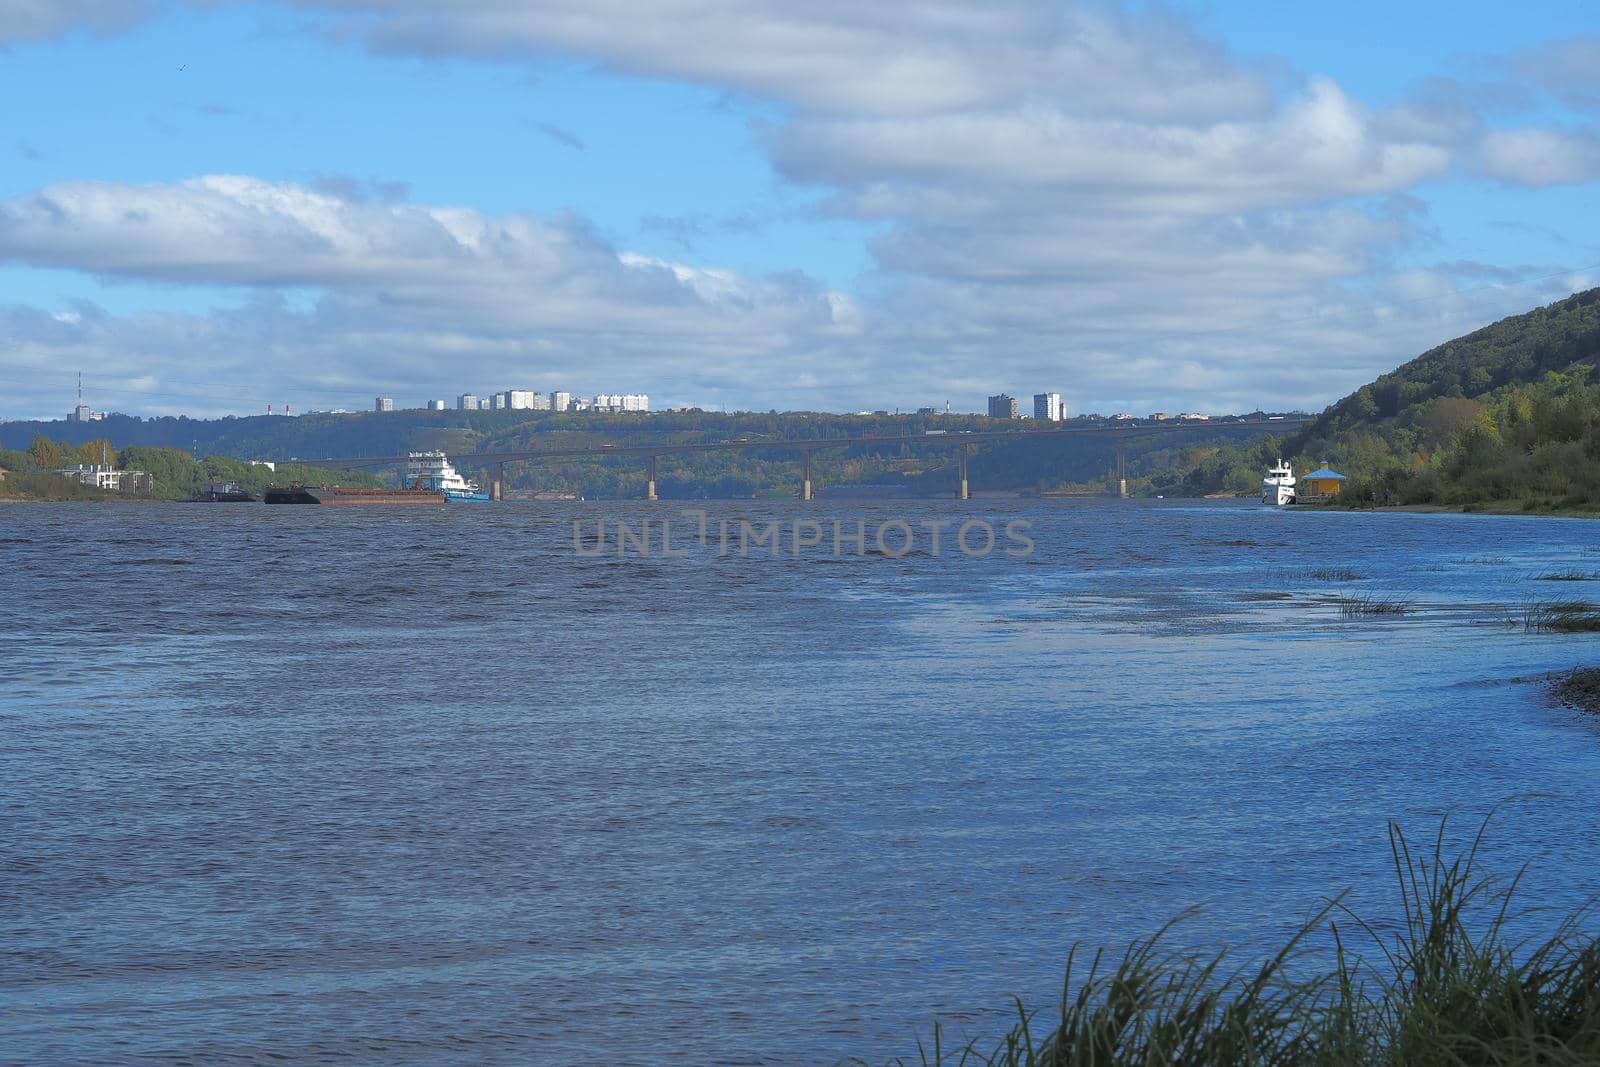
column 827, row 205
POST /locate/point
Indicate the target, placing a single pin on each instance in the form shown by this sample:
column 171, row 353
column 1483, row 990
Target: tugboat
column 223, row 493
column 433, row 471
column 1277, row 488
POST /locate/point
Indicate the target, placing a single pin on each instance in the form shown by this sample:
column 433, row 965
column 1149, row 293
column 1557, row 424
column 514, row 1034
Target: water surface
column 375, row 784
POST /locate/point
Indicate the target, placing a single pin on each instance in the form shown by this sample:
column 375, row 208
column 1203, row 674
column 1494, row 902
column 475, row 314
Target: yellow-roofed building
column 1324, row 482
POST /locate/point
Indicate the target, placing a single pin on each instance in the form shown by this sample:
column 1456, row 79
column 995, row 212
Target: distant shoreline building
column 1002, row 406
column 467, row 402
column 383, row 403
column 436, row 405
column 82, row 412
column 1049, row 407
column 101, row 476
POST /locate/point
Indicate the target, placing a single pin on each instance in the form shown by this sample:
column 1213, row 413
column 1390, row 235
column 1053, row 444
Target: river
column 430, row 784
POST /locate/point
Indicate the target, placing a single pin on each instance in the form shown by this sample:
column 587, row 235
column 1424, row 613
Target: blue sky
column 1202, row 206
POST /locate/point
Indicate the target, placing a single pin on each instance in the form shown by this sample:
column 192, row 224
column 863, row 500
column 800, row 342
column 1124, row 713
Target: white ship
column 1278, row 486
column 433, row 470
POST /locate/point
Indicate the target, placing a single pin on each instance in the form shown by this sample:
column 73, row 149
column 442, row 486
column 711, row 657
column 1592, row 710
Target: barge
column 346, row 494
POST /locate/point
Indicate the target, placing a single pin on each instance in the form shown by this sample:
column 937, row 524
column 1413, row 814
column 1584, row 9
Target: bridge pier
column 497, row 482
column 961, row 469
column 650, row 478
column 805, row 475
column 1122, row 470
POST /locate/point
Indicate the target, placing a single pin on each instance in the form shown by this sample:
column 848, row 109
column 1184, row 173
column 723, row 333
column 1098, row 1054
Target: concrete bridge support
column 961, row 472
column 1122, row 470
column 497, row 482
column 805, row 475
column 650, row 478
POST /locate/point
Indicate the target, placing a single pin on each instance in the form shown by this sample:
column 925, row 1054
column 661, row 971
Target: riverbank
column 1579, row 688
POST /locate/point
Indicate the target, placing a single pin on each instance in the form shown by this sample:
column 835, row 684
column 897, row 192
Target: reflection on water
column 333, row 782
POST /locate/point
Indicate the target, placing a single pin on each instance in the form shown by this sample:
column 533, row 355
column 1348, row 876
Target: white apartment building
column 1049, row 406
column 467, row 402
column 104, row 477
column 560, row 400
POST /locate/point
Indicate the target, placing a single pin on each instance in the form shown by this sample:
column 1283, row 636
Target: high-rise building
column 540, row 402
column 467, row 402
column 485, row 404
column 1049, row 407
column 521, row 399
column 1002, row 407
column 436, row 405
column 560, row 401
column 500, row 401
column 635, row 402
column 383, row 403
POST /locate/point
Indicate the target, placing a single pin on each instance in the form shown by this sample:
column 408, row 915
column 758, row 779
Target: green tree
column 45, row 452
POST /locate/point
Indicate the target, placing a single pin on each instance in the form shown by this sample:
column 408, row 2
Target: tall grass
column 1562, row 616
column 1351, row 606
column 1448, row 985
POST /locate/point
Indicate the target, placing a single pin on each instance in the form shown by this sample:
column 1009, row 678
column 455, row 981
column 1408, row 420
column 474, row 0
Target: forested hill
column 1505, row 417
column 1519, row 350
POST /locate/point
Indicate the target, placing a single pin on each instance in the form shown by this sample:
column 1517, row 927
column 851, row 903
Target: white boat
column 433, row 470
column 1277, row 487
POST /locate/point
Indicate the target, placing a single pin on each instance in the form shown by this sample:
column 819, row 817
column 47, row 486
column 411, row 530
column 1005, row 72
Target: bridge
column 962, row 441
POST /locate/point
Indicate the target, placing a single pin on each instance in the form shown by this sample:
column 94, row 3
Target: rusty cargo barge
column 345, row 494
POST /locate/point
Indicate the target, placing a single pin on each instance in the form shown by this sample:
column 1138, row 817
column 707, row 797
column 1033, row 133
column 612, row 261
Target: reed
column 1372, row 605
column 1562, row 616
column 1447, row 984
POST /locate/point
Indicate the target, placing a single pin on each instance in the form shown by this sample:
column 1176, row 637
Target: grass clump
column 1565, row 576
column 1445, row 984
column 1335, row 574
column 1351, row 606
column 1562, row 616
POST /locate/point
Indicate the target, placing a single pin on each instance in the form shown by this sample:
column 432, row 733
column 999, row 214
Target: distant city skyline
column 1185, row 207
column 1046, row 406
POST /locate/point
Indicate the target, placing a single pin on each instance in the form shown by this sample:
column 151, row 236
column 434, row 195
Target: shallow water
column 427, row 784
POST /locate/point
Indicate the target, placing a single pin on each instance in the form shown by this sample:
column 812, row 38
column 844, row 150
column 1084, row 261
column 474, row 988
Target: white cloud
column 409, row 292
column 1568, row 68
column 1062, row 195
column 839, row 56
column 1540, row 157
column 516, row 270
column 25, row 20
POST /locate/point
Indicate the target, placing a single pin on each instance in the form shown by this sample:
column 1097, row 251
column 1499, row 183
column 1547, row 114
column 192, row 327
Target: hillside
column 1504, row 417
column 1519, row 350
column 1081, row 463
